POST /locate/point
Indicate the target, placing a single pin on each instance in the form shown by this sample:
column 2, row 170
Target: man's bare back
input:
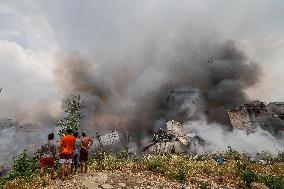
column 86, row 142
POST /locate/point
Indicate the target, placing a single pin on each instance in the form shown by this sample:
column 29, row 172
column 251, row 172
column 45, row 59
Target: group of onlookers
column 73, row 153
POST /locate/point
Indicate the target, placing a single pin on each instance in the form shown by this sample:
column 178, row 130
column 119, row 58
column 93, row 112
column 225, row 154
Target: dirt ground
column 116, row 179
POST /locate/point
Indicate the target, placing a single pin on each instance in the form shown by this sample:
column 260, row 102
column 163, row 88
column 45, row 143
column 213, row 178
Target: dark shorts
column 46, row 162
column 65, row 158
column 84, row 155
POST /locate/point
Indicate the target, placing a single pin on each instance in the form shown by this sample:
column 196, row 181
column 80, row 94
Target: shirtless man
column 86, row 142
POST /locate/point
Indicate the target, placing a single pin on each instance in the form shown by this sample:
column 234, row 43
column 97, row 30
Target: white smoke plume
column 217, row 139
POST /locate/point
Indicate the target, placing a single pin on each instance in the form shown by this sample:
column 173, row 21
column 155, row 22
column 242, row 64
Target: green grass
column 236, row 172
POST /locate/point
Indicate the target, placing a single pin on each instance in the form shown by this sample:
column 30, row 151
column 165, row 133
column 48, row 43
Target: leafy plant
column 203, row 185
column 73, row 109
column 24, row 167
column 274, row 182
column 180, row 173
column 124, row 154
column 153, row 165
column 248, row 176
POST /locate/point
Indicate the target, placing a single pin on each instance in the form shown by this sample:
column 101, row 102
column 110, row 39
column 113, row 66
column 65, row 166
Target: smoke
column 127, row 60
column 15, row 137
column 24, row 124
column 131, row 94
column 217, row 139
column 29, row 111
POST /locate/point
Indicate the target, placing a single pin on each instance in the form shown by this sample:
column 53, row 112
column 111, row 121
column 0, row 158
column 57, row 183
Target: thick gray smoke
column 131, row 94
column 15, row 137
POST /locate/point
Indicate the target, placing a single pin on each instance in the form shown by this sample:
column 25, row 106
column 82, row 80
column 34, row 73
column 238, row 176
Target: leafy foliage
column 24, row 167
column 180, row 173
column 203, row 185
column 274, row 182
column 73, row 109
column 249, row 176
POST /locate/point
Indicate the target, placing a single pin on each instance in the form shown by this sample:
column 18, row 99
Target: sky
column 34, row 32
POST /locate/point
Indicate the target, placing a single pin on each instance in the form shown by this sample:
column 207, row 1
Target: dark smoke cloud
column 131, row 94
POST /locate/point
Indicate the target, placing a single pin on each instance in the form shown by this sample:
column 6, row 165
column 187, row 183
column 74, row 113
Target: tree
column 73, row 109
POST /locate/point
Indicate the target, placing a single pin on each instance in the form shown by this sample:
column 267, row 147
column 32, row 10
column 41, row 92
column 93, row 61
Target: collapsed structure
column 257, row 114
column 168, row 140
column 185, row 105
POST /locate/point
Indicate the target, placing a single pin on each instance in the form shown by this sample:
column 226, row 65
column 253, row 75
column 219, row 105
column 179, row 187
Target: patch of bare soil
column 116, row 179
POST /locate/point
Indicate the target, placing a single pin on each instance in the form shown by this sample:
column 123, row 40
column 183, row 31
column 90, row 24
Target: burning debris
column 250, row 116
column 110, row 138
column 170, row 140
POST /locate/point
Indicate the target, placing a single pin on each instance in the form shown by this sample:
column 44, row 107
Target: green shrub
column 248, row 176
column 232, row 155
column 274, row 182
column 157, row 164
column 99, row 156
column 24, row 167
column 110, row 162
column 203, row 185
column 153, row 165
column 179, row 173
column 124, row 154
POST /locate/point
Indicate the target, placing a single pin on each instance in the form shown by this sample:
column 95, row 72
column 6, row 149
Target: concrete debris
column 171, row 140
column 175, row 128
column 257, row 114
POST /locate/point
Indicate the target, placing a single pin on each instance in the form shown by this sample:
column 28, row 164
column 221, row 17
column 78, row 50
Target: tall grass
column 202, row 171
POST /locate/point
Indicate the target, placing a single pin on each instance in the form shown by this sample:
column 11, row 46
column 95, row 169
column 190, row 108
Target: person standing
column 47, row 156
column 77, row 151
column 67, row 147
column 86, row 143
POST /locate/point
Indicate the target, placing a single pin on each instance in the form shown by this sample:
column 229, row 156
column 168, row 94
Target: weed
column 24, row 167
column 203, row 185
column 248, row 176
column 179, row 173
column 274, row 182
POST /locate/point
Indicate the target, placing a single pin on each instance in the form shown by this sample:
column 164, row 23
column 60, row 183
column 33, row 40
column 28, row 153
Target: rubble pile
column 169, row 140
column 257, row 114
